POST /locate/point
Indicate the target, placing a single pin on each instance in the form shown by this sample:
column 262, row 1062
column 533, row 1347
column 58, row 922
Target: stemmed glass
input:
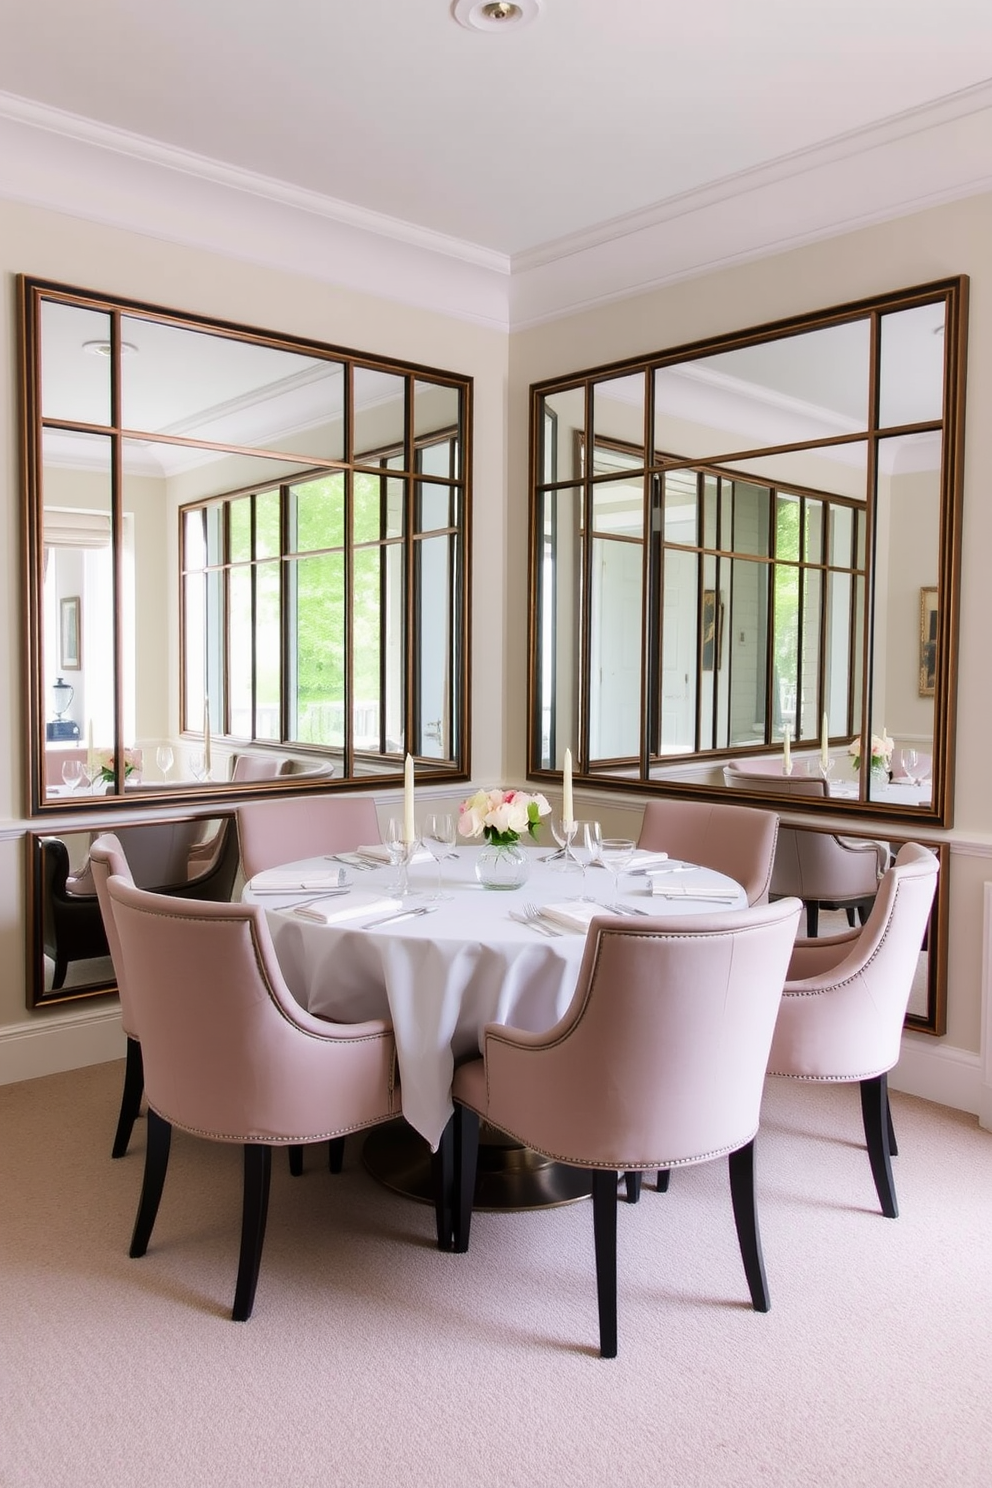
column 438, row 836
column 198, row 766
column 592, row 836
column 911, row 765
column 564, row 832
column 827, row 767
column 400, row 852
column 616, row 853
column 73, row 772
column 165, row 759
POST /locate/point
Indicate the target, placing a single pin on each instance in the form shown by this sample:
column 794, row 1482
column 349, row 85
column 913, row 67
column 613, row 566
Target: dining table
column 450, row 956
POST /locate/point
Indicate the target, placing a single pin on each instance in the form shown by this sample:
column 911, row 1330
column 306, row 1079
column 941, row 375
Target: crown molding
column 922, row 158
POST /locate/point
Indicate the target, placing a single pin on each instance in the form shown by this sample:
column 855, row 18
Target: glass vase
column 502, row 865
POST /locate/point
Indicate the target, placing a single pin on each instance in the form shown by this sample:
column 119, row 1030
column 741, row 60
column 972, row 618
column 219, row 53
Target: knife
column 402, row 914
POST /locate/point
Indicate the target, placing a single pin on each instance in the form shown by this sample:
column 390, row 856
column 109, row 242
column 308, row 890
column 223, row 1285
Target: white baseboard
column 28, row 1050
column 938, row 1072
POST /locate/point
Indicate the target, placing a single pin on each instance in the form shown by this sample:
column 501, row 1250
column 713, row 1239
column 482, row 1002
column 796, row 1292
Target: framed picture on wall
column 712, row 630
column 69, row 634
column 928, row 640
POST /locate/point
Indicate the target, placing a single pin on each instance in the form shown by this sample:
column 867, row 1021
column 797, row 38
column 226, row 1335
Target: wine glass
column 72, row 772
column 564, row 832
column 400, row 852
column 616, row 853
column 165, row 759
column 592, row 837
column 827, row 766
column 198, row 766
column 438, row 836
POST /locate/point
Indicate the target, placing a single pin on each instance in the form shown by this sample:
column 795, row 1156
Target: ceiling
column 507, row 140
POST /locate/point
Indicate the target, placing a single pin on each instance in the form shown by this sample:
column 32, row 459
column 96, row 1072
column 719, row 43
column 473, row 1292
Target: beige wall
column 950, row 240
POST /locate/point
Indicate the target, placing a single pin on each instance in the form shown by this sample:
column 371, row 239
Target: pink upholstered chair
column 736, row 840
column 106, row 859
column 845, row 1000
column 823, row 870
column 230, row 1056
column 292, row 827
column 258, row 767
column 658, row 1062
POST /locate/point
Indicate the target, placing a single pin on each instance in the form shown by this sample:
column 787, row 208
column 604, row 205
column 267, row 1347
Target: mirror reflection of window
column 755, row 573
column 276, row 522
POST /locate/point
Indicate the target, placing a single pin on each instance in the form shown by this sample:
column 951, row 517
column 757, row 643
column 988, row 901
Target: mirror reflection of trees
column 267, row 540
column 744, row 588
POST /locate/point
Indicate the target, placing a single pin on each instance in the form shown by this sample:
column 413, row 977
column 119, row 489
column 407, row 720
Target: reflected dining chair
column 736, row 840
column 291, row 827
column 822, row 869
column 72, row 925
column 230, row 1056
column 106, row 859
column 658, row 1062
column 845, row 999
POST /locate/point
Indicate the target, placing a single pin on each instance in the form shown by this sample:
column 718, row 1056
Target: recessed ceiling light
column 104, row 348
column 495, row 15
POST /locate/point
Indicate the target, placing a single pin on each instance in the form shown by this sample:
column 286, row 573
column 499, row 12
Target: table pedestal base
column 509, row 1176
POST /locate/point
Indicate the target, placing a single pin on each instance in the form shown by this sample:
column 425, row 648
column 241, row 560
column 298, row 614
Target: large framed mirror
column 246, row 558
column 733, row 544
column 68, row 955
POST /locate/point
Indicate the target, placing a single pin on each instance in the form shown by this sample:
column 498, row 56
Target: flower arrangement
column 501, row 816
column 105, row 760
column 881, row 751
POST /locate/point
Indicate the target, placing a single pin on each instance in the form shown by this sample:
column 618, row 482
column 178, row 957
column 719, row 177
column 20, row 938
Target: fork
column 535, row 917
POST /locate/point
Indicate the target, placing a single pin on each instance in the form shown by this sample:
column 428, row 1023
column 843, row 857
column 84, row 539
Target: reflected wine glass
column 616, row 853
column 438, row 836
column 73, row 772
column 911, row 765
column 165, row 759
column 400, row 852
column 827, row 767
column 198, row 768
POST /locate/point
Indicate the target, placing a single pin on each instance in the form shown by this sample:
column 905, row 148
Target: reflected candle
column 409, row 830
column 567, row 812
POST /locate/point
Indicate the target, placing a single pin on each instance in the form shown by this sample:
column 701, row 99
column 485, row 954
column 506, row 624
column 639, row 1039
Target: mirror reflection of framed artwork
column 69, row 634
column 928, row 640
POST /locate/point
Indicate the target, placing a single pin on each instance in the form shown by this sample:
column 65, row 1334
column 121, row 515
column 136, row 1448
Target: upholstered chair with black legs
column 230, row 1056
column 845, row 1000
column 659, row 1062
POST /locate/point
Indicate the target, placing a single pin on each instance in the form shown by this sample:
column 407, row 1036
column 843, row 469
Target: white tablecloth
column 442, row 977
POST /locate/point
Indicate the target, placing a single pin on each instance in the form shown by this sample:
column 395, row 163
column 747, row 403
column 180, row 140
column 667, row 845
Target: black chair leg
column 255, row 1208
column 812, row 917
column 159, row 1140
column 663, row 1176
column 893, row 1144
column 745, row 1205
column 295, row 1154
column 851, row 917
column 466, row 1159
column 443, row 1182
column 335, row 1154
column 134, row 1084
column 876, row 1118
column 604, row 1219
column 633, row 1182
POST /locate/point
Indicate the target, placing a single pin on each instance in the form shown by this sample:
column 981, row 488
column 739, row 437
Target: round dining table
column 446, row 966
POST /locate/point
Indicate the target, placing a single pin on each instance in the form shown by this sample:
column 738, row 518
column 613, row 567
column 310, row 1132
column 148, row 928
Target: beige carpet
column 373, row 1360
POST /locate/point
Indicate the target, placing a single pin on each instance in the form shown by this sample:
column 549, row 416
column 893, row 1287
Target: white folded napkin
column 378, row 853
column 574, row 914
column 665, row 889
column 285, row 878
column 644, row 860
column 353, row 907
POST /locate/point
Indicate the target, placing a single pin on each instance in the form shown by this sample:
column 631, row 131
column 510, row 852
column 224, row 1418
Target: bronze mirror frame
column 568, row 489
column 430, row 537
column 66, row 941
